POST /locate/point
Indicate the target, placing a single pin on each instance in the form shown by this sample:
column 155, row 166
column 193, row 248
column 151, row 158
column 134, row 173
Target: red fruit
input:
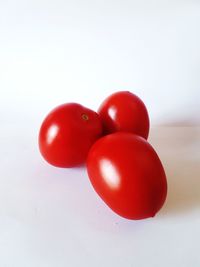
column 124, row 111
column 128, row 175
column 67, row 133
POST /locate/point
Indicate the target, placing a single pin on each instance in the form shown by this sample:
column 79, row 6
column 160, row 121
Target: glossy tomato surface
column 67, row 133
column 124, row 111
column 128, row 175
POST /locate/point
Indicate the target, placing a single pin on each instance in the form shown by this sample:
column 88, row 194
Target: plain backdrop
column 59, row 51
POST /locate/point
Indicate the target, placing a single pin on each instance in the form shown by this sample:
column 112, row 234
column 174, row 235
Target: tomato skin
column 128, row 175
column 67, row 133
column 124, row 111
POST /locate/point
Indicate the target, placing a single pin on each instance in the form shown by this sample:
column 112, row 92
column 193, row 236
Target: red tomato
column 124, row 111
column 67, row 134
column 128, row 175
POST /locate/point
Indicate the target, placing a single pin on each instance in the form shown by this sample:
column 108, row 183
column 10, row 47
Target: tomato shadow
column 179, row 150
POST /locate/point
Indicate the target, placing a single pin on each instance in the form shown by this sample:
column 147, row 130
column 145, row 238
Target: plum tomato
column 128, row 175
column 67, row 133
column 124, row 111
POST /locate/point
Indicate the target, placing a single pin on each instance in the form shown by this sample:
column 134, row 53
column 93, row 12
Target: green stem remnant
column 85, row 117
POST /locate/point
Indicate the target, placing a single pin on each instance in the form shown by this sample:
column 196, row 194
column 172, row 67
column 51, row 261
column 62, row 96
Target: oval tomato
column 128, row 175
column 124, row 111
column 67, row 134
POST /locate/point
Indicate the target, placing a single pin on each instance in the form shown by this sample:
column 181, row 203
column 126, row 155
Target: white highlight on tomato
column 112, row 112
column 109, row 173
column 52, row 133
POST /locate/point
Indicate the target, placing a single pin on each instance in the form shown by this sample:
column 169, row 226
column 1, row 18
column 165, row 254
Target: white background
column 60, row 51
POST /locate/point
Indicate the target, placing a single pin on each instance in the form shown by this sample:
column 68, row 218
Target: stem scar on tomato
column 85, row 117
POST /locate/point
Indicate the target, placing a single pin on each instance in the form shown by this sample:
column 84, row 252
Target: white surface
column 55, row 51
column 52, row 217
